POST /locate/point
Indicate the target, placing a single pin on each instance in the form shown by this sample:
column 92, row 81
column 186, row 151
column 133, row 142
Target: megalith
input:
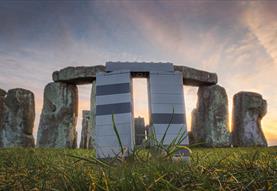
column 57, row 126
column 2, row 99
column 210, row 118
column 86, row 134
column 88, row 122
column 139, row 130
column 2, row 93
column 18, row 115
column 248, row 110
column 92, row 115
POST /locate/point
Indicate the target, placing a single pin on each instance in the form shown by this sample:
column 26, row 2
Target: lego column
column 166, row 101
column 113, row 97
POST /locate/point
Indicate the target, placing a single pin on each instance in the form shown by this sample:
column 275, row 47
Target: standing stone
column 196, row 135
column 57, row 127
column 18, row 115
column 248, row 110
column 139, row 130
column 86, row 137
column 210, row 118
column 2, row 93
column 92, row 115
column 191, row 139
column 2, row 99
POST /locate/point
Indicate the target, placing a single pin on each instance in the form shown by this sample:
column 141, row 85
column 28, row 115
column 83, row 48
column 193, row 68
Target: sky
column 235, row 39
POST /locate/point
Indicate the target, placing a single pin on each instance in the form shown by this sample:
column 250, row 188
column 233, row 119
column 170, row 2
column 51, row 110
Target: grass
column 208, row 169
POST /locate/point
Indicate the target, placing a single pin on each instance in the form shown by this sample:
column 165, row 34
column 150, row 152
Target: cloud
column 235, row 39
column 261, row 20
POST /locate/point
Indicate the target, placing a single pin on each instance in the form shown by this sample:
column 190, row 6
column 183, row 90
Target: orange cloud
column 263, row 24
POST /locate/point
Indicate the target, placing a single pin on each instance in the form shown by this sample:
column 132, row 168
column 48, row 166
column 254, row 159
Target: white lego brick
column 172, row 130
column 164, row 82
column 115, row 98
column 170, row 84
column 108, row 79
column 167, row 108
column 119, row 118
column 166, row 73
column 166, row 77
column 167, row 98
column 165, row 89
column 175, row 74
column 104, row 141
column 139, row 66
column 108, row 152
column 105, row 130
column 169, row 138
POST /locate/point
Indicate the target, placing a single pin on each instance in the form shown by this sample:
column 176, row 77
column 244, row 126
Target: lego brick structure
column 167, row 107
column 113, row 97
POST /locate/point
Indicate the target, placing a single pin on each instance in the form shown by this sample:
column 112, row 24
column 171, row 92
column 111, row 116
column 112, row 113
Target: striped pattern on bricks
column 113, row 96
column 165, row 94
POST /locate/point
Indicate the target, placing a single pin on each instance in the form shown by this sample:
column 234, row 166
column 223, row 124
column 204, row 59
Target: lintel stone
column 87, row 74
column 194, row 77
column 77, row 75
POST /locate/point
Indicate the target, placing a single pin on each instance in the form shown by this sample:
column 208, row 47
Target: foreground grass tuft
column 208, row 169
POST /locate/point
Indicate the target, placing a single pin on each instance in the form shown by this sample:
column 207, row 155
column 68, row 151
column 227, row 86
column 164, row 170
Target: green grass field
column 208, row 169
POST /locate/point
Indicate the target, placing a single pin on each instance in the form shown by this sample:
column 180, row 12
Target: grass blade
column 170, row 121
column 117, row 135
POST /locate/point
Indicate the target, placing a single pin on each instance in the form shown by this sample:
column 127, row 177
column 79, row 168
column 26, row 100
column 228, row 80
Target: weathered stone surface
column 2, row 100
column 86, row 138
column 196, row 132
column 77, row 75
column 2, row 93
column 210, row 118
column 57, row 127
column 93, row 114
column 139, row 130
column 87, row 74
column 248, row 110
column 18, row 115
column 191, row 139
column 194, row 77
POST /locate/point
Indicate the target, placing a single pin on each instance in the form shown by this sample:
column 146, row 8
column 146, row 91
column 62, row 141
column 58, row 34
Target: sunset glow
column 235, row 39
